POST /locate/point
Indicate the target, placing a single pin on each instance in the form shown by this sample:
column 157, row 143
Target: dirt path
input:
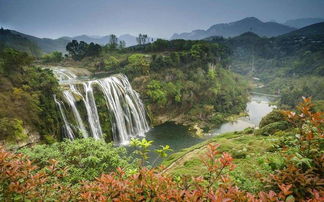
column 188, row 156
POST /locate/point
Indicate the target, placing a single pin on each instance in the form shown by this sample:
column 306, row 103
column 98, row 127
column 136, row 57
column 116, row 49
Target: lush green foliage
column 298, row 177
column 111, row 62
column 204, row 97
column 11, row 129
column 138, row 63
column 18, row 42
column 80, row 50
column 291, row 156
column 174, row 78
column 53, row 57
column 85, row 158
column 289, row 65
column 26, row 95
column 272, row 117
column 143, row 149
column 13, row 61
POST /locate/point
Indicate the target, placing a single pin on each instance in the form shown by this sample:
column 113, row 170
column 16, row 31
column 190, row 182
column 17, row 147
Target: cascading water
column 71, row 101
column 68, row 129
column 92, row 112
column 124, row 104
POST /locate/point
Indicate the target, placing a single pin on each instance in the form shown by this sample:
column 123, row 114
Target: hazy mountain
column 303, row 22
column 267, row 54
column 311, row 30
column 236, row 28
column 103, row 40
column 36, row 46
column 19, row 41
column 129, row 39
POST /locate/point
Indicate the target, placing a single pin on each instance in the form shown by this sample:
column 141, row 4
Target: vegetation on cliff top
column 26, row 98
column 182, row 81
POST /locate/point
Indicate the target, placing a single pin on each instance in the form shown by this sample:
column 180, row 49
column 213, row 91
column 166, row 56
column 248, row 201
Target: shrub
column 111, row 62
column 138, row 63
column 53, row 57
column 156, row 93
column 86, row 158
column 272, row 128
column 273, row 116
column 12, row 129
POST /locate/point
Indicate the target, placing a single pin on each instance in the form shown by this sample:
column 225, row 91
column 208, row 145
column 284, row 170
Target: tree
column 122, row 44
column 111, row 62
column 80, row 50
column 12, row 60
column 138, row 63
column 142, row 39
column 113, row 42
column 93, row 49
column 77, row 50
column 53, row 57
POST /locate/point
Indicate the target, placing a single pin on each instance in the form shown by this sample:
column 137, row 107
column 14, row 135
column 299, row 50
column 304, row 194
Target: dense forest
column 27, row 105
column 290, row 65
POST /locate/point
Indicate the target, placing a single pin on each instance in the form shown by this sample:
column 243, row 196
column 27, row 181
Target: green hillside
column 290, row 64
column 7, row 38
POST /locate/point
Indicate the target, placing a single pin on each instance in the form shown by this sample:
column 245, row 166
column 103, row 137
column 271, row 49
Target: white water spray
column 123, row 103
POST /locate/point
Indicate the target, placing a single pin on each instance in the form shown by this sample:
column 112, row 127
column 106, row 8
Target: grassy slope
column 253, row 156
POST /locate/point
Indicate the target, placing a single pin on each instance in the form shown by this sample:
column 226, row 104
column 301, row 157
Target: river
column 178, row 137
column 128, row 112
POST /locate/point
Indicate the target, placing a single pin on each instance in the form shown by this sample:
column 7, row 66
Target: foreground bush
column 86, row 158
column 21, row 180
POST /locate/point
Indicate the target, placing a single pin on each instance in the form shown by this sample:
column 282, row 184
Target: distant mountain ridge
column 252, row 24
column 303, row 22
column 103, row 40
column 36, row 46
column 311, row 30
column 252, row 53
column 45, row 45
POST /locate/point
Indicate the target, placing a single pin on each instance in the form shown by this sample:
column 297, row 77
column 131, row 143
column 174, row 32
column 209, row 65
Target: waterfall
column 71, row 101
column 126, row 106
column 92, row 111
column 127, row 112
column 68, row 129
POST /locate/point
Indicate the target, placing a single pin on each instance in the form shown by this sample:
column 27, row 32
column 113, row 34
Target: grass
column 252, row 155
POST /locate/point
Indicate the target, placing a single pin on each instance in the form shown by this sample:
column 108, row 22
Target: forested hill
column 236, row 28
column 303, row 22
column 16, row 41
column 289, row 64
column 30, row 44
column 308, row 31
column 37, row 46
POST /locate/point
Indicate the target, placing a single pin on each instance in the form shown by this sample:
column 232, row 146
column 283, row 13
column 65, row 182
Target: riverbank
column 179, row 138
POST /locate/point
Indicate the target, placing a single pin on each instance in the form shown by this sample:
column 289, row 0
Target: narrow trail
column 187, row 156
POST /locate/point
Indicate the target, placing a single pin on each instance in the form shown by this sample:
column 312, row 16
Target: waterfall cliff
column 127, row 112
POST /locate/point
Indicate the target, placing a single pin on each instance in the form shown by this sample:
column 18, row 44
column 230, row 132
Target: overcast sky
column 159, row 18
